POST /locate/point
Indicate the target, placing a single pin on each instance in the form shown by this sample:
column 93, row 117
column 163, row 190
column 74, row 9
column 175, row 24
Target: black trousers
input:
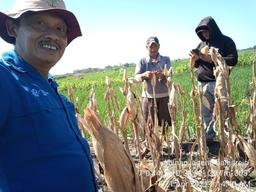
column 162, row 110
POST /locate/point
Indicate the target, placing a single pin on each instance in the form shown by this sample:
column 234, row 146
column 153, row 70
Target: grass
column 240, row 82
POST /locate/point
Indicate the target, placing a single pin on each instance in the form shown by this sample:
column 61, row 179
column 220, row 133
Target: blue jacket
column 41, row 147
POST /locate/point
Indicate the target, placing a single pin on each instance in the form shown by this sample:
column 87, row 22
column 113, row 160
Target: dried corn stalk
column 155, row 149
column 249, row 150
column 200, row 135
column 182, row 132
column 152, row 137
column 173, row 108
column 194, row 95
column 92, row 100
column 226, row 113
column 112, row 105
column 251, row 132
column 119, row 170
column 227, row 123
column 216, row 183
column 123, row 121
column 153, row 82
column 131, row 106
column 124, row 90
column 71, row 93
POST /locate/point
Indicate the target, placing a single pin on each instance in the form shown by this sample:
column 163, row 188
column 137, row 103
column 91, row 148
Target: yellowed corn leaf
column 119, row 170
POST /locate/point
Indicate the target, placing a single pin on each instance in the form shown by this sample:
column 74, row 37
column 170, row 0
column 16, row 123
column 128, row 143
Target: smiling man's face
column 41, row 39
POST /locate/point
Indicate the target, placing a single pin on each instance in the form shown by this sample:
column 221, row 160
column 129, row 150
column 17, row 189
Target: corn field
column 135, row 155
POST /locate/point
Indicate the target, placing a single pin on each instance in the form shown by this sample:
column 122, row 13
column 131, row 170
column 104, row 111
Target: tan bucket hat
column 56, row 7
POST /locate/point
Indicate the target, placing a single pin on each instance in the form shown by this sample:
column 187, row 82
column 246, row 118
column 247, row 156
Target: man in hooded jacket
column 211, row 36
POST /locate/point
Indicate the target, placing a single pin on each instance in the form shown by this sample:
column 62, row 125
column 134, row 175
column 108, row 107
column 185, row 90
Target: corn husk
column 119, row 170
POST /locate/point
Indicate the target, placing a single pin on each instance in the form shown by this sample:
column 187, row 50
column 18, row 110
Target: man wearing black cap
column 211, row 36
column 154, row 63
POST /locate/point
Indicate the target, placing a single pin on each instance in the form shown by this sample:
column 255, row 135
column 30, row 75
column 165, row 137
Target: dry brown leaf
column 249, row 151
column 123, row 120
column 205, row 50
column 119, row 170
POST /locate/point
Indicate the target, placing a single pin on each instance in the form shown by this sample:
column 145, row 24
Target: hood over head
column 208, row 23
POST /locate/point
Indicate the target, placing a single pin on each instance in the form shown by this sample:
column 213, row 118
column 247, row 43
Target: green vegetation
column 240, row 79
column 246, row 56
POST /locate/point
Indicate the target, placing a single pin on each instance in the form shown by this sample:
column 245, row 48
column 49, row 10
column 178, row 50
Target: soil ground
column 169, row 169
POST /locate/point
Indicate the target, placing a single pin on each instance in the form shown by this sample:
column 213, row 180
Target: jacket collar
column 154, row 61
column 17, row 63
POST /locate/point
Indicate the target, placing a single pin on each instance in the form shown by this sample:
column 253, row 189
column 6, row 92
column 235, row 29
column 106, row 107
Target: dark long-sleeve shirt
column 225, row 44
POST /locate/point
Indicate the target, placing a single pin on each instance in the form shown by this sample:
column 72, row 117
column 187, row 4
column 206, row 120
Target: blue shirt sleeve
column 140, row 67
column 168, row 63
column 3, row 183
column 4, row 99
column 4, row 102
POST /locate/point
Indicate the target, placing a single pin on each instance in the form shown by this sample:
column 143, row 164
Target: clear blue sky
column 115, row 31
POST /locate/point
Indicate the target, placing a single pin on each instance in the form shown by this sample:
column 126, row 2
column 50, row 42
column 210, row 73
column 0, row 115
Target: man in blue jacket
column 41, row 148
column 211, row 36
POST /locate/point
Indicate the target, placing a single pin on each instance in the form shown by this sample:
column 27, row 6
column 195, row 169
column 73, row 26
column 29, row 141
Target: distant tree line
column 79, row 72
column 250, row 48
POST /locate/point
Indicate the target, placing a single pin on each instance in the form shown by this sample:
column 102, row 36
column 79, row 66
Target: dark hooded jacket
column 225, row 44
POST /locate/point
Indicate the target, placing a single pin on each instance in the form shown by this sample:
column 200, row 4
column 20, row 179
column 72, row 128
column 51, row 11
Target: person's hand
column 147, row 75
column 194, row 54
column 159, row 74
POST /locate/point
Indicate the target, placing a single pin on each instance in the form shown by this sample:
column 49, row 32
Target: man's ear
column 11, row 27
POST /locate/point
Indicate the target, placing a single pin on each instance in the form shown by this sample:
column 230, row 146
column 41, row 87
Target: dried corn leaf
column 205, row 50
column 123, row 120
column 249, row 151
column 119, row 170
column 130, row 103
